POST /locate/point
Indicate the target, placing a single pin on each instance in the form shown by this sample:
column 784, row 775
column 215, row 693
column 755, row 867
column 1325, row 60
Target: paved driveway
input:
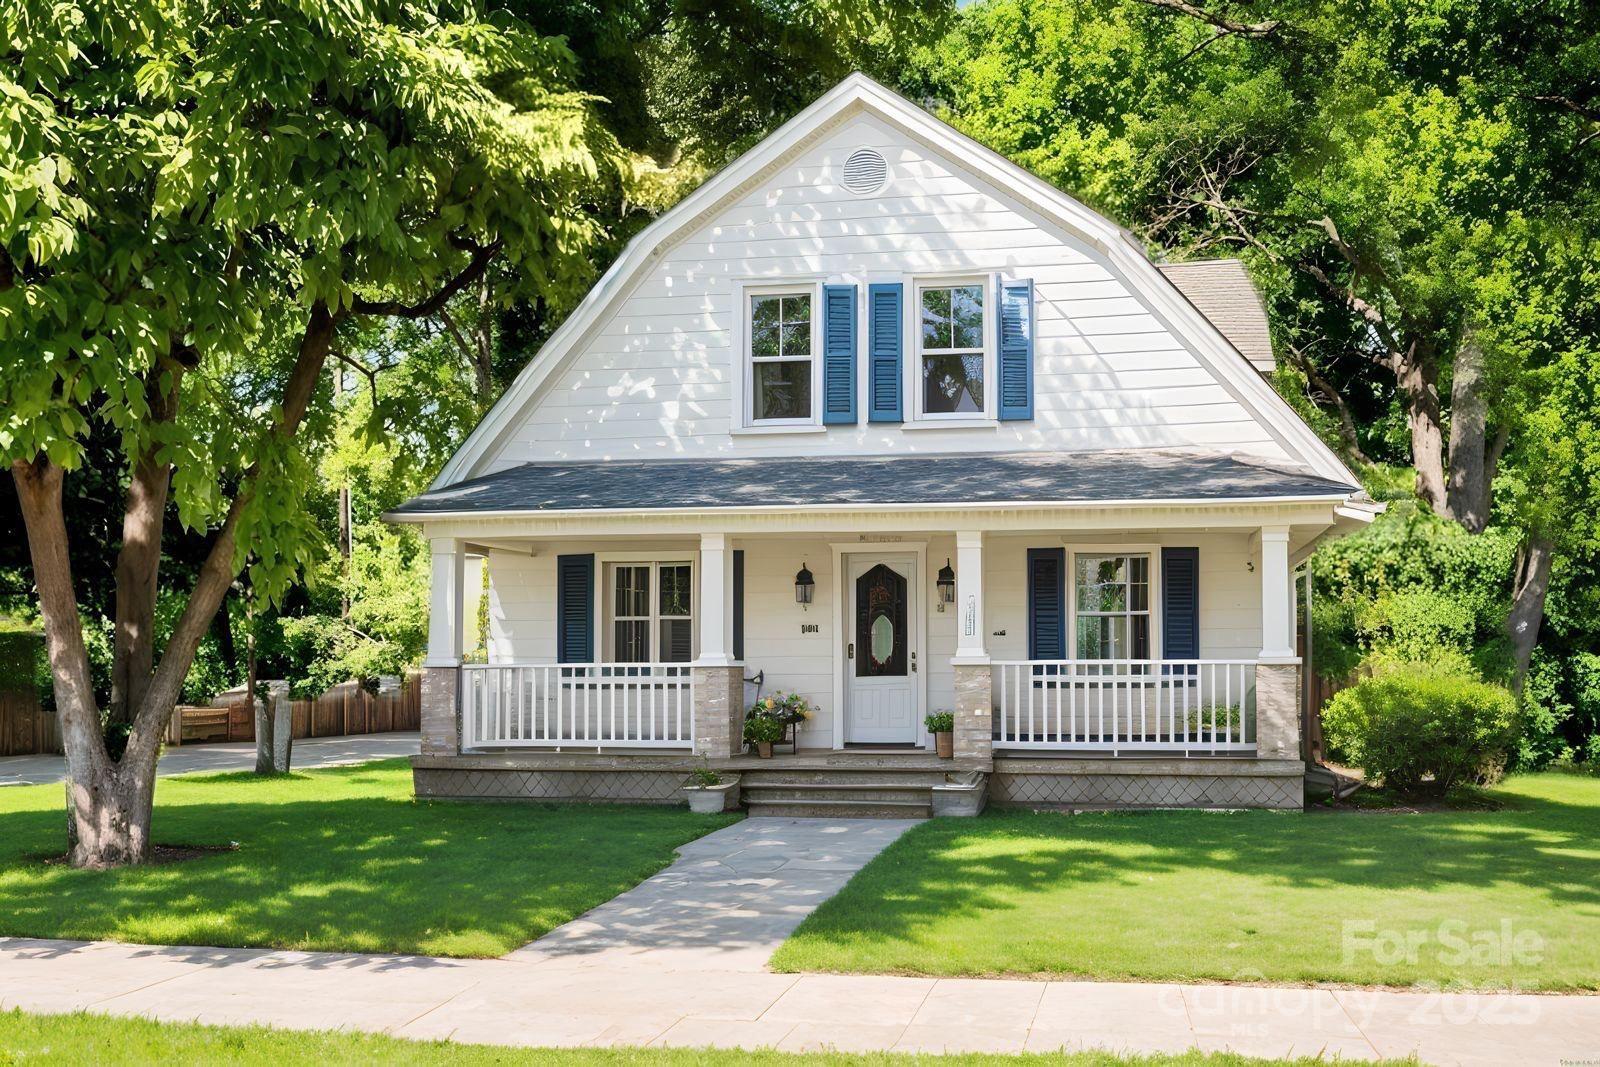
column 233, row 756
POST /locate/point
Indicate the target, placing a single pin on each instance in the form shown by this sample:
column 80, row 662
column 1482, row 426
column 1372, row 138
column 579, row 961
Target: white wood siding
column 656, row 379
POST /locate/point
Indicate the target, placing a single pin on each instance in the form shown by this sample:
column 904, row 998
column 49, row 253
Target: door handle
column 850, row 650
column 913, row 663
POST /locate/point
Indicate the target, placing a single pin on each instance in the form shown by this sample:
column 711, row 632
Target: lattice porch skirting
column 1164, row 783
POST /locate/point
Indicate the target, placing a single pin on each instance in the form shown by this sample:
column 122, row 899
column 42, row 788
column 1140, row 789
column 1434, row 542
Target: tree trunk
column 1468, row 501
column 111, row 811
column 1531, row 583
column 139, row 560
column 1418, row 380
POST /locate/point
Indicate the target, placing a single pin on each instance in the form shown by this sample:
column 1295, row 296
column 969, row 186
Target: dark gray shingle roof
column 976, row 478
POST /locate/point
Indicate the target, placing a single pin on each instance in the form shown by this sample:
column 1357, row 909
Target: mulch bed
column 160, row 854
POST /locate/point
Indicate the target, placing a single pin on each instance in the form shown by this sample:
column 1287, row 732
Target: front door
column 880, row 653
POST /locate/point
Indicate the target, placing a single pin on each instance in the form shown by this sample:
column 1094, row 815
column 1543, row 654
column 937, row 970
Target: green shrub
column 762, row 728
column 1423, row 729
column 940, row 722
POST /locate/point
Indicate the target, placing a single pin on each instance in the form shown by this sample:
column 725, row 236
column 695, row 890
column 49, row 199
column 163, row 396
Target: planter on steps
column 944, row 743
column 713, row 799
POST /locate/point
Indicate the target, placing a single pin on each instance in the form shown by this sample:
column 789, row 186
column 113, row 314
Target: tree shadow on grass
column 1535, row 854
column 380, row 873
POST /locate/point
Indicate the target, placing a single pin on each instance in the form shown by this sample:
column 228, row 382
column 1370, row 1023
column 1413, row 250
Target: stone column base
column 441, row 711
column 974, row 733
column 718, row 711
column 1278, row 711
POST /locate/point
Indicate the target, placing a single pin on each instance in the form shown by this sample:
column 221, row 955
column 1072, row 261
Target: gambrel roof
column 1051, row 209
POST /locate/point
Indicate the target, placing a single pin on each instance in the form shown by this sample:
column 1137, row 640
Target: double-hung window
column 782, row 352
column 1111, row 601
column 951, row 368
column 652, row 620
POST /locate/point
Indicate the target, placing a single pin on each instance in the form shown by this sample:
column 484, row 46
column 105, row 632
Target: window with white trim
column 952, row 358
column 782, row 349
column 1111, row 606
column 651, row 608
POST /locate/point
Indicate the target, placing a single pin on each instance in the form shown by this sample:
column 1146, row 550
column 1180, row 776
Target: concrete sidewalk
column 560, row 1001
column 309, row 752
column 679, row 960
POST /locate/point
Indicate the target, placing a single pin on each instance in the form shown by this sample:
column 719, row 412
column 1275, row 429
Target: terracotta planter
column 944, row 743
column 764, row 749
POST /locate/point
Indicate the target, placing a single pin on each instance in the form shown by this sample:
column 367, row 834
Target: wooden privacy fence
column 345, row 709
column 26, row 728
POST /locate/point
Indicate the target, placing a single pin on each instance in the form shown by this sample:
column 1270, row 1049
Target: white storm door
column 880, row 652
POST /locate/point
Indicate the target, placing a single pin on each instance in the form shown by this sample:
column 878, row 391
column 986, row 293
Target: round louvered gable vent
column 865, row 171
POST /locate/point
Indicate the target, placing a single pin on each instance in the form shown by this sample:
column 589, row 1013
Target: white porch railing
column 577, row 705
column 1190, row 706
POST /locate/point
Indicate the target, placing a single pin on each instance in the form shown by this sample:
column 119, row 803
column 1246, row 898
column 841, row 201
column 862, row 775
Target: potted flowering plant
column 761, row 731
column 787, row 710
column 942, row 725
column 709, row 792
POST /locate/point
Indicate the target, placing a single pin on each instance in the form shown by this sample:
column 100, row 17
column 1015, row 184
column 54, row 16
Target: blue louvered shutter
column 838, row 354
column 575, row 609
column 1180, row 603
column 1047, row 603
column 885, row 306
column 1016, row 349
column 738, row 604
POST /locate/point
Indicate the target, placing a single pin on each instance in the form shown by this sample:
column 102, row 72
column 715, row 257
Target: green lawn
column 99, row 1039
column 1248, row 896
column 341, row 859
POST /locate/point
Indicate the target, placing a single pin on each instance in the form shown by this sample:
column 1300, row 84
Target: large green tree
column 199, row 198
column 1392, row 173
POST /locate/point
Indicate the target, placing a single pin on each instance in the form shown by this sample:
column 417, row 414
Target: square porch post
column 718, row 707
column 974, row 710
column 441, row 668
column 1278, row 663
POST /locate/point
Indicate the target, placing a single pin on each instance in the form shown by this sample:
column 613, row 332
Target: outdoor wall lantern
column 804, row 585
column 947, row 585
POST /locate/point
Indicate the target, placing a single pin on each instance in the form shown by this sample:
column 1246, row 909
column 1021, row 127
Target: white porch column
column 718, row 679
column 447, row 603
column 970, row 646
column 441, row 684
column 716, row 601
column 1277, row 591
column 974, row 710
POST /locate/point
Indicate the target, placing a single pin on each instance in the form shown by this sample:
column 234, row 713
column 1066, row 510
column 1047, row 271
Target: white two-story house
column 879, row 418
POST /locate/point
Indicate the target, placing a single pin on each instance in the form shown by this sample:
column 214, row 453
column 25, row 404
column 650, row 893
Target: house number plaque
column 810, row 628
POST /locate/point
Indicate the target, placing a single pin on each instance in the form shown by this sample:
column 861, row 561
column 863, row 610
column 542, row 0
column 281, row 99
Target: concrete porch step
column 915, row 778
column 838, row 809
column 859, row 792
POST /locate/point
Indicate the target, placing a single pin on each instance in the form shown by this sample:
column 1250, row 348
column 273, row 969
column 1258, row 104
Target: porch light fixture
column 947, row 585
column 804, row 585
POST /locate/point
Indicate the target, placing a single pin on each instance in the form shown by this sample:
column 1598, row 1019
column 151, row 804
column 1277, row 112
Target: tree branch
column 1347, row 422
column 482, row 256
column 1227, row 26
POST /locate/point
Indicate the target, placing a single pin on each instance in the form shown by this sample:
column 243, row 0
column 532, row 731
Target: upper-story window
column 782, row 350
column 952, row 360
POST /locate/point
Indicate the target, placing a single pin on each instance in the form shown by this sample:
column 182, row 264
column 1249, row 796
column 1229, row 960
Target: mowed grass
column 100, row 1039
column 341, row 859
column 1486, row 899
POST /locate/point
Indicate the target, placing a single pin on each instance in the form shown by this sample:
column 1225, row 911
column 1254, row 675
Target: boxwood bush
column 1423, row 728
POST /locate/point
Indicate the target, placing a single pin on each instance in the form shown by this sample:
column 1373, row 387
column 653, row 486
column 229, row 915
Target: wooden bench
column 202, row 724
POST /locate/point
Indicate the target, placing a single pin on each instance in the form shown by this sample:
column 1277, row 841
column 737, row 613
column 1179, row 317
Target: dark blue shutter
column 1047, row 603
column 1180, row 603
column 738, row 604
column 838, row 354
column 1016, row 349
column 575, row 609
column 885, row 306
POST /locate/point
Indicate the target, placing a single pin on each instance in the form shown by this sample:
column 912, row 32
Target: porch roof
column 1027, row 479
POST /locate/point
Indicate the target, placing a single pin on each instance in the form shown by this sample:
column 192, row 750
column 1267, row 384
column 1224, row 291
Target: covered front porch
column 1072, row 634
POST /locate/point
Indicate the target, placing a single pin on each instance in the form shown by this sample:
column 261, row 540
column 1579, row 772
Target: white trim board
column 1053, row 209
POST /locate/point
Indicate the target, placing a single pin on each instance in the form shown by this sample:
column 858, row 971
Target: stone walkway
column 730, row 899
column 231, row 756
column 679, row 961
